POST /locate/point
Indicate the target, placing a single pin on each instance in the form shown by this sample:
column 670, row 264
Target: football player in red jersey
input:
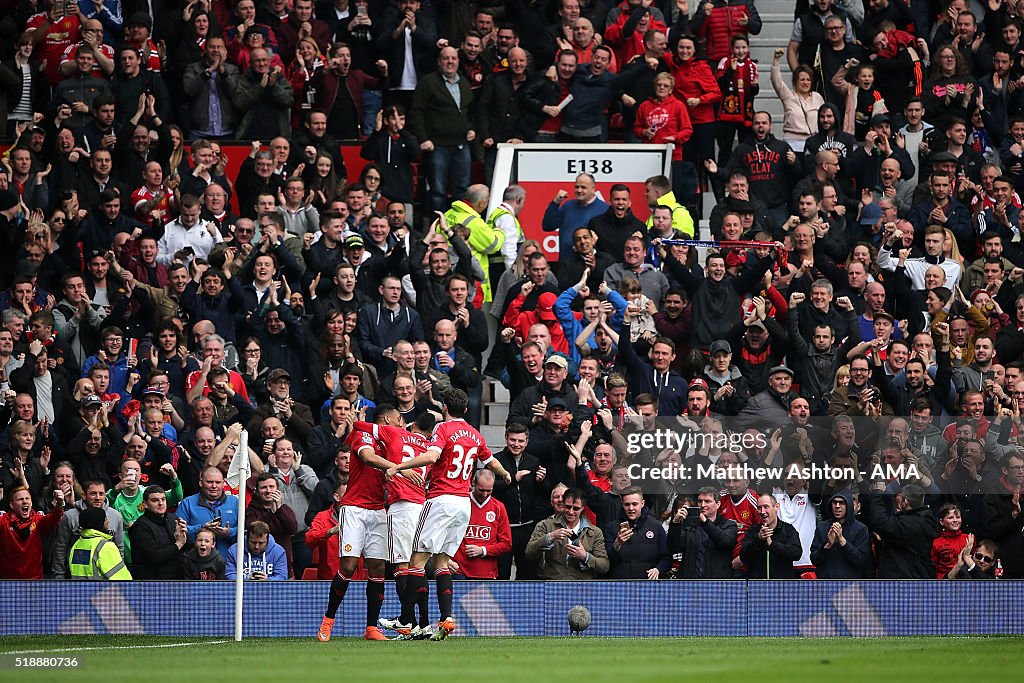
column 454, row 448
column 364, row 529
column 405, row 497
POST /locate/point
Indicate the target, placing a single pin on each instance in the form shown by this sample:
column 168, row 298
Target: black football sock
column 374, row 599
column 443, row 577
column 339, row 585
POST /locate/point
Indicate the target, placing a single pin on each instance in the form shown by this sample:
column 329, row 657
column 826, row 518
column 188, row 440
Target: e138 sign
column 591, row 166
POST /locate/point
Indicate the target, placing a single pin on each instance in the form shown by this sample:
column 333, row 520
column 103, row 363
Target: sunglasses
column 978, row 557
column 573, row 508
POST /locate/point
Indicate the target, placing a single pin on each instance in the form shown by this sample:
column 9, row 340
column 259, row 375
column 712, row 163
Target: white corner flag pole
column 241, row 463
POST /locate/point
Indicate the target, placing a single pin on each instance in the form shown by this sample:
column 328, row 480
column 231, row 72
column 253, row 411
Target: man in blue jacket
column 565, row 216
column 211, row 508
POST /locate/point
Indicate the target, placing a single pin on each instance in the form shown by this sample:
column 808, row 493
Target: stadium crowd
column 154, row 304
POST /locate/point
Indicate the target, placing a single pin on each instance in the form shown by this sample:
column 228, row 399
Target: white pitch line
column 114, row 647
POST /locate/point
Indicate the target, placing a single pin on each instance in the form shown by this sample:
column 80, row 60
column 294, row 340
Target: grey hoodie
column 69, row 530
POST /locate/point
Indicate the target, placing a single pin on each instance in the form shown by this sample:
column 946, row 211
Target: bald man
column 439, row 118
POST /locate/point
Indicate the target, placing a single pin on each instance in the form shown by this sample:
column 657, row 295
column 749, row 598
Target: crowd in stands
column 155, row 304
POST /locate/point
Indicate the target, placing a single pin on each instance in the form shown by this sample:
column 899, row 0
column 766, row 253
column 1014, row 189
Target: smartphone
column 361, row 10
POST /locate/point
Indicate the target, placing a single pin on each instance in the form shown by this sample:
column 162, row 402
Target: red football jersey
column 489, row 529
column 365, row 483
column 399, row 446
column 461, row 446
column 744, row 513
column 142, row 195
column 60, row 35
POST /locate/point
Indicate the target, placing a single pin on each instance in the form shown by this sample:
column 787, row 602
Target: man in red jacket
column 323, row 535
column 488, row 536
column 22, row 532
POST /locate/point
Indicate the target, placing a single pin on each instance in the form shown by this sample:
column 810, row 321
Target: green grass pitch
column 111, row 659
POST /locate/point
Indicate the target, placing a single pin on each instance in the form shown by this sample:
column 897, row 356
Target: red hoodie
column 670, row 121
column 946, row 549
column 694, row 79
column 21, row 543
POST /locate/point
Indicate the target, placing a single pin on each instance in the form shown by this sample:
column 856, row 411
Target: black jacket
column 605, row 506
column 612, row 232
column 718, row 538
column 154, row 553
column 499, row 114
column 775, row 562
column 716, row 305
column 521, row 498
column 646, row 549
column 209, row 568
column 906, row 549
column 850, row 561
column 1002, row 528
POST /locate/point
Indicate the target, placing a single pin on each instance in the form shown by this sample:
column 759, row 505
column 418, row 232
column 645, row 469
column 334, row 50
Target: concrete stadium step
column 494, row 436
column 495, row 414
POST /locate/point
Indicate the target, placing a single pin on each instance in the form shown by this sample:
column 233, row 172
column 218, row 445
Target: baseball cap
column 152, row 391
column 884, row 314
column 780, row 368
column 878, row 119
column 758, row 323
column 557, row 403
column 354, row 241
column 139, row 19
column 870, row 214
column 545, row 306
column 720, row 346
column 278, row 373
column 942, row 157
column 555, row 359
column 92, row 401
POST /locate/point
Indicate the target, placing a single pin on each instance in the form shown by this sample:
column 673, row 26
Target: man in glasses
column 979, row 563
column 568, row 547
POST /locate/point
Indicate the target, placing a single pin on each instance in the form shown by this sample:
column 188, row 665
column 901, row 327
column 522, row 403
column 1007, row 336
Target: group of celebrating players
column 407, row 501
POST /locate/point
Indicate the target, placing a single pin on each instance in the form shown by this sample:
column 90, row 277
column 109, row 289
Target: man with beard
column 841, row 548
column 769, row 163
column 831, row 137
